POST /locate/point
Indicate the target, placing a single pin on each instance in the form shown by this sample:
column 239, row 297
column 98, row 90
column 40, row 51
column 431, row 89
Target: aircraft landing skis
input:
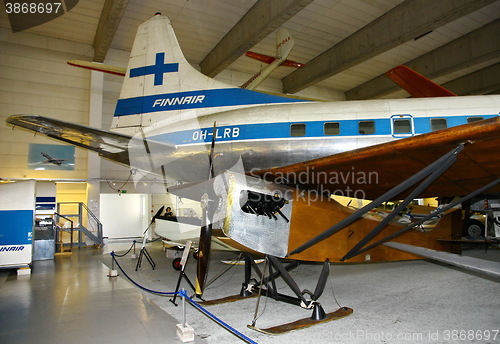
column 266, row 286
column 227, row 299
column 303, row 323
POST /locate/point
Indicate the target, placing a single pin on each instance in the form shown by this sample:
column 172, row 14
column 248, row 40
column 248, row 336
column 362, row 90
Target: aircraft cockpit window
column 366, row 127
column 402, row 126
column 438, row 124
column 298, row 129
column 474, row 119
column 331, row 128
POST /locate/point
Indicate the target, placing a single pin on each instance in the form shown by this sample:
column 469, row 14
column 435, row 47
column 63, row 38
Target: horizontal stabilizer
column 269, row 59
column 98, row 67
column 469, row 263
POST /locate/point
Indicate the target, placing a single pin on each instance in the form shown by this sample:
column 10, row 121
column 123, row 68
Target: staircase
column 82, row 220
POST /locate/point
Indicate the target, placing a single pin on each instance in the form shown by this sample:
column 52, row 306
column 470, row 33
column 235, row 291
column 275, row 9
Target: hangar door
column 123, row 216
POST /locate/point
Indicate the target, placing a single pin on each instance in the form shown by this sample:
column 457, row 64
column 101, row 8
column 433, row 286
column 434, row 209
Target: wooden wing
column 369, row 172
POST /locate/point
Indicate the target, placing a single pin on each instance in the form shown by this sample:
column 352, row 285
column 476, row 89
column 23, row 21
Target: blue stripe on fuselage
column 281, row 130
column 196, row 100
column 260, row 131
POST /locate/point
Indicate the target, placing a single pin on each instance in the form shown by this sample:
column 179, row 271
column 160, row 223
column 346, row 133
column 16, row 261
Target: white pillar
column 94, row 161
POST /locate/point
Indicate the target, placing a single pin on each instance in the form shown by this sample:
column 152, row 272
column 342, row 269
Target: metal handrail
column 71, row 235
column 91, row 216
column 99, row 224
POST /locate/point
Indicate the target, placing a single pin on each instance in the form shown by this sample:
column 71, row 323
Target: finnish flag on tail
column 160, row 82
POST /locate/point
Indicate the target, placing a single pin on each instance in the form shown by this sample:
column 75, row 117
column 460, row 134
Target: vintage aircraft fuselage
column 283, row 134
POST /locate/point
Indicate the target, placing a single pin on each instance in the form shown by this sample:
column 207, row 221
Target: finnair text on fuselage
column 179, row 100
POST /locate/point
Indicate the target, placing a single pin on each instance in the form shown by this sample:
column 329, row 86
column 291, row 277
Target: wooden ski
column 226, row 299
column 303, row 323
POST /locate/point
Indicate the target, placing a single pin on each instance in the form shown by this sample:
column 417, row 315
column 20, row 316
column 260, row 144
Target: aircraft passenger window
column 438, row 124
column 298, row 129
column 402, row 126
column 474, row 119
column 332, row 128
column 366, row 127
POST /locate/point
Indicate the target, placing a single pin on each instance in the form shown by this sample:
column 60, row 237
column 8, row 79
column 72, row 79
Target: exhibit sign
column 17, row 211
column 51, row 157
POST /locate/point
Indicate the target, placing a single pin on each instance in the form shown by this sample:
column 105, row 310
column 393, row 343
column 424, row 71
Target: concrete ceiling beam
column 262, row 19
column 408, row 20
column 483, row 81
column 476, row 47
column 111, row 15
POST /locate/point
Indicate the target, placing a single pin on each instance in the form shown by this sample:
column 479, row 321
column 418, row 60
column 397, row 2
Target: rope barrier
column 137, row 284
column 193, row 303
column 215, row 319
column 123, row 255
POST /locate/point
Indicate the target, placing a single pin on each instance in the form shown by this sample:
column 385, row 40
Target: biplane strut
column 426, row 176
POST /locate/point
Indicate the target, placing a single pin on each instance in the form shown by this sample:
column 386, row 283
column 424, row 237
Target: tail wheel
column 176, row 264
column 473, row 228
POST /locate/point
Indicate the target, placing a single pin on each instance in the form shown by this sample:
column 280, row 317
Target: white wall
column 124, row 215
column 35, row 79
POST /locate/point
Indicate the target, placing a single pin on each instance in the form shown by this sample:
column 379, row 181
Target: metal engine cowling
column 254, row 212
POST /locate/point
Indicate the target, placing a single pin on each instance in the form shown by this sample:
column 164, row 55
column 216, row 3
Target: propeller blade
column 323, row 277
column 158, row 213
column 204, row 249
column 211, row 156
column 154, row 218
column 206, row 227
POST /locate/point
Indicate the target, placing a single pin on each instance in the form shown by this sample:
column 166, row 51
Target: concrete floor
column 73, row 300
column 400, row 302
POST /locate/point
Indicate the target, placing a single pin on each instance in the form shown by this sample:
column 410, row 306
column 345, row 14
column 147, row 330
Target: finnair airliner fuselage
column 282, row 134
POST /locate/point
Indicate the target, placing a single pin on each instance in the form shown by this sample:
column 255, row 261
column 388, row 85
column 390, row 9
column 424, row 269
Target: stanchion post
column 134, row 255
column 183, row 310
column 185, row 333
column 112, row 272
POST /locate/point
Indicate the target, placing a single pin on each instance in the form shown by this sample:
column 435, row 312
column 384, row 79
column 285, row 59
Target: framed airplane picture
column 51, row 157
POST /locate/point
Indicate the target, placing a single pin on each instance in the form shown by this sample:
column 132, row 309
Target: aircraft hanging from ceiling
column 284, row 44
column 265, row 166
column 417, row 85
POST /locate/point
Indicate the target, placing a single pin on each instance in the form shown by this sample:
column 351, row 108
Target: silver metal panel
column 44, row 249
column 257, row 232
column 188, row 164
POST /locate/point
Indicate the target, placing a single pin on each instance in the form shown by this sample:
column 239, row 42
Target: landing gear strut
column 266, row 286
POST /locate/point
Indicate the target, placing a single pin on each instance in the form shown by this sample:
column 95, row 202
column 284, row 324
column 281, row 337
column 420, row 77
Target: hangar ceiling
column 347, row 45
